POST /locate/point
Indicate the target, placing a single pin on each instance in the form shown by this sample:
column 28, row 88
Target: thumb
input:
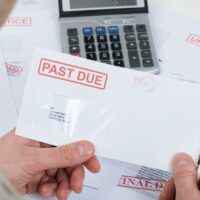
column 60, row 157
column 185, row 177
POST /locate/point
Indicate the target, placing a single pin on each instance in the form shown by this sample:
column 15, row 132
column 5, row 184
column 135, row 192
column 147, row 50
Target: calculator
column 115, row 32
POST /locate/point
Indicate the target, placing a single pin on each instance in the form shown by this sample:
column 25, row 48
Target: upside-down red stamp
column 13, row 70
column 194, row 39
column 19, row 21
column 141, row 183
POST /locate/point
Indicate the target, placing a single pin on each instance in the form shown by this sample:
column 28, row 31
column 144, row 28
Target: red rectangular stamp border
column 188, row 39
column 6, row 24
column 158, row 190
column 83, row 68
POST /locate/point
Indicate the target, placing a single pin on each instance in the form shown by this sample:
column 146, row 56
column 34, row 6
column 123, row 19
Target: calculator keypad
column 117, row 45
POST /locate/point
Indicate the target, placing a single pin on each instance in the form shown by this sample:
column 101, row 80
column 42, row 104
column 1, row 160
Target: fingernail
column 182, row 163
column 86, row 149
column 198, row 161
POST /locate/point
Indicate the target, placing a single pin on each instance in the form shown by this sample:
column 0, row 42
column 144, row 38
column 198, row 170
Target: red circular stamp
column 145, row 83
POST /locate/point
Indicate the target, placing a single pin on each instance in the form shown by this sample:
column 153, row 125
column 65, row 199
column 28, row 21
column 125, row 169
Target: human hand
column 184, row 184
column 31, row 166
column 5, row 6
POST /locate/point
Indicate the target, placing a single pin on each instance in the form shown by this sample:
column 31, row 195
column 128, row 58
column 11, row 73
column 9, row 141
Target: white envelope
column 130, row 116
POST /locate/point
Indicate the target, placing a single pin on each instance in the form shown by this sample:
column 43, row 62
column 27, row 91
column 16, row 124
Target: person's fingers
column 185, row 177
column 77, row 178
column 63, row 189
column 93, row 165
column 33, row 185
column 61, row 157
column 47, row 186
column 168, row 192
column 48, row 189
column 51, row 172
column 12, row 137
column 6, row 7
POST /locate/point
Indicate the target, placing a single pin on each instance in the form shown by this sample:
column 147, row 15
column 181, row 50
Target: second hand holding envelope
column 130, row 116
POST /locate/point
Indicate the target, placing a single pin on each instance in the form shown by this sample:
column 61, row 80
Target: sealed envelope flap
column 130, row 116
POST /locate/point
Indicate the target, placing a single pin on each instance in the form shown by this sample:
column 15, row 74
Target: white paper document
column 130, row 116
column 31, row 23
column 118, row 180
column 8, row 114
column 175, row 27
column 182, row 51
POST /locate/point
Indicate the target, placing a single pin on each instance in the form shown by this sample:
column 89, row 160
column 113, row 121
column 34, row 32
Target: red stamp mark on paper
column 194, row 39
column 13, row 70
column 141, row 183
column 71, row 73
column 19, row 21
column 145, row 83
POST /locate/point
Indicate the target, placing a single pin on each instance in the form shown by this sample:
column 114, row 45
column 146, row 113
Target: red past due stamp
column 74, row 74
column 141, row 183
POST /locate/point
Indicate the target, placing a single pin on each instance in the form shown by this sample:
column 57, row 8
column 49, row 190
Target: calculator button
column 117, row 55
column 116, row 46
column 101, row 38
column 142, row 36
column 72, row 32
column 74, row 49
column 148, row 62
column 104, row 56
column 90, row 48
column 114, row 38
column 146, row 53
column 73, row 40
column 128, row 29
column 131, row 45
column 91, row 56
column 89, row 39
column 130, row 37
column 113, row 29
column 76, row 54
column 144, row 45
column 119, row 63
column 134, row 59
column 87, row 31
column 141, row 28
column 100, row 30
column 103, row 47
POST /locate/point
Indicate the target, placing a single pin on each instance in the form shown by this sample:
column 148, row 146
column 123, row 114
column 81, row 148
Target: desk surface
column 189, row 8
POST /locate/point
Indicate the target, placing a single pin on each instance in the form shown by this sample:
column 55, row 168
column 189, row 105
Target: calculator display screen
column 82, row 5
